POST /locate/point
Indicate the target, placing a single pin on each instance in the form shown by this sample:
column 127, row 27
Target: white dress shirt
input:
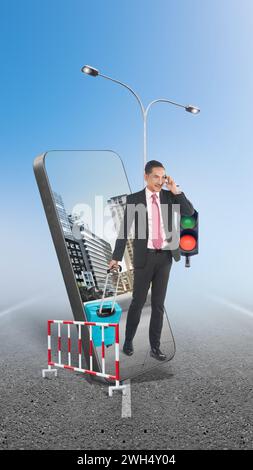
column 149, row 208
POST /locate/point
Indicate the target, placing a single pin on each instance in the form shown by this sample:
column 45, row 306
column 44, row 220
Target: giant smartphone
column 84, row 196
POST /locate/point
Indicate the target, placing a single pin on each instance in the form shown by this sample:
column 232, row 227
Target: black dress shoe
column 156, row 353
column 128, row 348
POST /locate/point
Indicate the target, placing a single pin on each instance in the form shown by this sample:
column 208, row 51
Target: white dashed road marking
column 126, row 401
column 233, row 305
column 19, row 306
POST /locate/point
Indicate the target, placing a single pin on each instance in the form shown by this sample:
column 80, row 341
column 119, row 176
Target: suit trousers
column 156, row 270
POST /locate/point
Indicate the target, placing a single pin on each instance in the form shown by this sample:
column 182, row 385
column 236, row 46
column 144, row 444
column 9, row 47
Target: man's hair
column 151, row 164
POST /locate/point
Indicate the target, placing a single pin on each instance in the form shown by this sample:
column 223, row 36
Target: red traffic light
column 187, row 243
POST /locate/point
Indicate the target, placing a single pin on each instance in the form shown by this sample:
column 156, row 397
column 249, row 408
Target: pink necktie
column 156, row 224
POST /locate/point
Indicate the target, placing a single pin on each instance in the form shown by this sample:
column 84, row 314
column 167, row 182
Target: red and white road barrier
column 69, row 366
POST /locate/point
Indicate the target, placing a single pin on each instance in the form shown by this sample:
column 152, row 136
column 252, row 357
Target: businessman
column 152, row 252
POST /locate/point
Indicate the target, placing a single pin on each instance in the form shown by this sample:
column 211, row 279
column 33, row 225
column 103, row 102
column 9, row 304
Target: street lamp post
column 189, row 108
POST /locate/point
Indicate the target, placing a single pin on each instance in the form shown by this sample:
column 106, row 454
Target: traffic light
column 189, row 228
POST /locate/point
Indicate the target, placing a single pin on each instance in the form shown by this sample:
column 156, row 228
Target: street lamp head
column 192, row 109
column 89, row 70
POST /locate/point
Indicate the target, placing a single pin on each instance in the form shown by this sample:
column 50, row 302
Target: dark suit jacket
column 167, row 198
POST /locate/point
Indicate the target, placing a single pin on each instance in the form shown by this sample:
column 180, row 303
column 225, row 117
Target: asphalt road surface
column 201, row 399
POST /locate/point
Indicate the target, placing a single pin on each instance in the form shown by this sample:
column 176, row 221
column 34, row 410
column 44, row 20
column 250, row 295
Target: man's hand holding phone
column 171, row 185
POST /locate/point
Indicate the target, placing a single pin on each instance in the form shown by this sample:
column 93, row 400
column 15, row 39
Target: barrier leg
column 45, row 371
column 49, row 369
column 117, row 386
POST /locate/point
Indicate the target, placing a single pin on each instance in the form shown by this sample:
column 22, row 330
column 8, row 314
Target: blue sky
column 197, row 52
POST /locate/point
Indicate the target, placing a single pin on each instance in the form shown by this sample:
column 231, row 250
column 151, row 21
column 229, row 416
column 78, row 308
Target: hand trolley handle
column 116, row 289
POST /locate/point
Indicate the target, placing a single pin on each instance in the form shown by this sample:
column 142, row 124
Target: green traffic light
column 188, row 221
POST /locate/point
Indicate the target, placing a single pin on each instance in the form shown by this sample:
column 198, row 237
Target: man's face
column 156, row 179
